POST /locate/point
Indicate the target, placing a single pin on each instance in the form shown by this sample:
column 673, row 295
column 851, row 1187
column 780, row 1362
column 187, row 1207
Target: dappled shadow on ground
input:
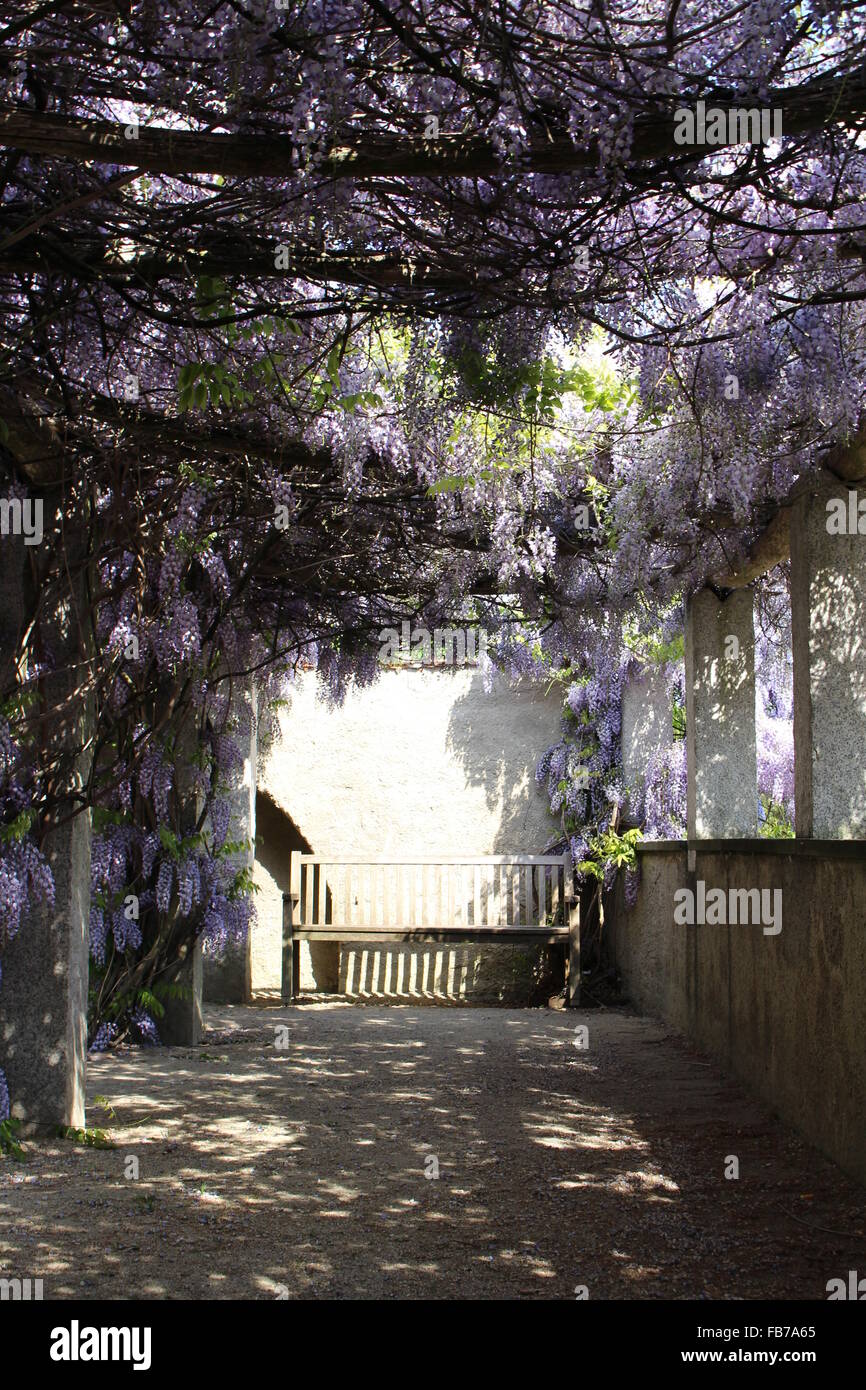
column 288, row 1156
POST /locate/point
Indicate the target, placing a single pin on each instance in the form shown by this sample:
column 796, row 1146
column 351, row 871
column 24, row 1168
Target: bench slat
column 323, row 879
column 453, row 935
column 436, row 859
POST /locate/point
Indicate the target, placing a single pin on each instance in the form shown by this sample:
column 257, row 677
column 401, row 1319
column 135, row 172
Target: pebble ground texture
column 299, row 1171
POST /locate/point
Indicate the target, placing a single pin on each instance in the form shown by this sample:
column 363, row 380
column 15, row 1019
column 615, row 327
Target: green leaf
column 149, row 1001
column 91, row 1138
column 332, row 366
column 188, row 374
column 453, row 483
column 18, row 828
column 174, row 990
column 105, row 1104
column 9, row 1138
column 169, row 841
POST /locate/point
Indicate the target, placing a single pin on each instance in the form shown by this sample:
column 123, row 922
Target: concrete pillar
column 43, row 1006
column 228, row 978
column 181, row 1024
column 828, row 617
column 43, row 998
column 720, row 716
column 647, row 722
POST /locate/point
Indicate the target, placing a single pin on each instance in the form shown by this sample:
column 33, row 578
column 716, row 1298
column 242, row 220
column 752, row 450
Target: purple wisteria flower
column 145, row 1026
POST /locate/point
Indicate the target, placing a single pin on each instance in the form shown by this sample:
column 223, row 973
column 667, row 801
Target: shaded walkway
column 302, row 1171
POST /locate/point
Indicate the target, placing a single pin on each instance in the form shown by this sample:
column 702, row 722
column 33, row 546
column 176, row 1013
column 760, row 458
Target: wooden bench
column 504, row 899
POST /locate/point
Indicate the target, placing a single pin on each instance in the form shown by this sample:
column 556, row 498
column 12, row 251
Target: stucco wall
column 422, row 762
column 785, row 1012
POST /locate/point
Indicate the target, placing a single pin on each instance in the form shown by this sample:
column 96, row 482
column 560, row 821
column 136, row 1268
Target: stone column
column 828, row 617
column 43, row 1007
column 181, row 1024
column 43, row 997
column 720, row 716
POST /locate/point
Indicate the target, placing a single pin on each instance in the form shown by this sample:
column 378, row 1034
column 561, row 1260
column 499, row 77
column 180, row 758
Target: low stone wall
column 786, row 1012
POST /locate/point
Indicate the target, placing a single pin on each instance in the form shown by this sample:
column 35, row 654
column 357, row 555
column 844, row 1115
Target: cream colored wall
column 422, row 762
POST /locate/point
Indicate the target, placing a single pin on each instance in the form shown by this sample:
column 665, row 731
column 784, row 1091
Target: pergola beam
column 847, row 463
column 808, row 107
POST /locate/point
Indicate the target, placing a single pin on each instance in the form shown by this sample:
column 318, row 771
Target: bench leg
column 291, row 953
column 572, row 984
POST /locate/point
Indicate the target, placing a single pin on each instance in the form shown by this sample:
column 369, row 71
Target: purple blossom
column 103, row 1037
column 145, row 1026
column 164, row 882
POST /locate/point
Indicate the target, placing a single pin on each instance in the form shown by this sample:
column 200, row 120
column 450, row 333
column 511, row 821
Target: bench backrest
column 472, row 891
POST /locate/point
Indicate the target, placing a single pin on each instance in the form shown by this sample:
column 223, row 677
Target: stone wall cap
column 807, row 849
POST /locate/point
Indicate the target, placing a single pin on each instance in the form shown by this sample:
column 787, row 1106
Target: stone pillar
column 828, row 618
column 720, row 716
column 43, row 997
column 647, row 722
column 181, row 1024
column 228, row 978
column 43, row 1006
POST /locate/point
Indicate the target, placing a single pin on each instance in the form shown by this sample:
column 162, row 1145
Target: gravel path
column 299, row 1171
